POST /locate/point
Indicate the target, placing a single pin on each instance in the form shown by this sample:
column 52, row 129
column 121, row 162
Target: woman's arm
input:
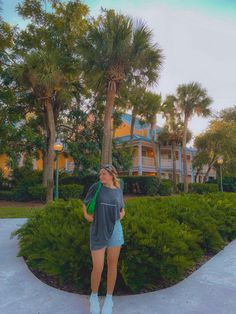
column 86, row 215
column 122, row 213
column 88, row 197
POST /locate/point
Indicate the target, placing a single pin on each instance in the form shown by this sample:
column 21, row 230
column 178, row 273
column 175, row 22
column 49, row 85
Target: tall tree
column 48, row 64
column 173, row 130
column 191, row 99
column 152, row 106
column 219, row 139
column 132, row 95
column 114, row 48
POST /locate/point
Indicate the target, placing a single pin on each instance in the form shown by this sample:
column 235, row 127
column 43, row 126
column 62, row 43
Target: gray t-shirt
column 107, row 210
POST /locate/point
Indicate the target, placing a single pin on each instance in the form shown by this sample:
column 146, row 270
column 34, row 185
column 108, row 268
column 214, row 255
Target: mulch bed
column 70, row 287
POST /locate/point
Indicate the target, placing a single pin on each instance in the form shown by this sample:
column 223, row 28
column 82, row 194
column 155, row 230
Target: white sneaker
column 94, row 305
column 107, row 306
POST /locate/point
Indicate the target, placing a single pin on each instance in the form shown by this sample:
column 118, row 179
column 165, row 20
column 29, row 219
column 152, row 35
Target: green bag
column 91, row 204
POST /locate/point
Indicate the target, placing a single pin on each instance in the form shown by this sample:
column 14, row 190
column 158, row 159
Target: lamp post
column 57, row 148
column 220, row 162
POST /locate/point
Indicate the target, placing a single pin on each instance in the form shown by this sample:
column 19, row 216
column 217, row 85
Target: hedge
column 200, row 188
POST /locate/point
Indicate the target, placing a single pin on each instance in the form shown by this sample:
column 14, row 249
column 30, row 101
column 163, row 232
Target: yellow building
column 143, row 160
column 3, row 165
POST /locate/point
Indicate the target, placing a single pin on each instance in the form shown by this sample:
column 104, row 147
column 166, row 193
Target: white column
column 140, row 166
column 34, row 164
column 67, row 168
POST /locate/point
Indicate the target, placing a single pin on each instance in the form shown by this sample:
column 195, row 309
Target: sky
column 198, row 39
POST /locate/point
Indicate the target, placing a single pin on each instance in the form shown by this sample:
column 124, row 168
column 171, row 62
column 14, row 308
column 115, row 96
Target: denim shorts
column 117, row 237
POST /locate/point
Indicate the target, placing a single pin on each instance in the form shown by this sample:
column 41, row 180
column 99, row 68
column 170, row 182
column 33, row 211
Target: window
column 177, row 155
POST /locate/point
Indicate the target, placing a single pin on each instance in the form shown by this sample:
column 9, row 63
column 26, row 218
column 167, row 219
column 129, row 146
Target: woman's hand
column 122, row 213
column 89, row 217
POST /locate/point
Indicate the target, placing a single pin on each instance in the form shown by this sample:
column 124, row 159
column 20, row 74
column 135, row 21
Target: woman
column 105, row 232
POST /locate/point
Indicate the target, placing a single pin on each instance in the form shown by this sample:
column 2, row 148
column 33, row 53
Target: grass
column 20, row 212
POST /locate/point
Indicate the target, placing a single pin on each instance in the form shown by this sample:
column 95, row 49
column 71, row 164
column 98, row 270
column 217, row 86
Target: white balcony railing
column 148, row 162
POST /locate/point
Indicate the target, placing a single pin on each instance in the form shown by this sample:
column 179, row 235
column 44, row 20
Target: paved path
column 209, row 290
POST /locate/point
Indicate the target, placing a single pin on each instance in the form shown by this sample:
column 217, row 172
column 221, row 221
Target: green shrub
column 180, row 187
column 164, row 238
column 38, row 192
column 145, row 185
column 166, row 187
column 223, row 207
column 70, row 191
column 200, row 188
column 56, row 241
column 7, row 195
column 229, row 184
column 24, row 179
column 86, row 182
column 203, row 188
column 23, row 174
column 4, row 182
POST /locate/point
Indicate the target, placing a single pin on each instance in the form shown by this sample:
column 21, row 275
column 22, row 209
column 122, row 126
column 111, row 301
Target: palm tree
column 172, row 130
column 47, row 65
column 173, row 133
column 152, row 106
column 114, row 49
column 191, row 99
column 39, row 74
column 134, row 96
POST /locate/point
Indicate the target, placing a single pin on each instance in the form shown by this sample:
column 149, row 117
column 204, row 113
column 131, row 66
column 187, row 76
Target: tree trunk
column 132, row 125
column 154, row 146
column 51, row 135
column 208, row 170
column 131, row 139
column 184, row 155
column 196, row 174
column 45, row 163
column 107, row 135
column 173, row 146
column 111, row 137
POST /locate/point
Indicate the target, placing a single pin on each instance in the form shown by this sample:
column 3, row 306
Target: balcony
column 166, row 164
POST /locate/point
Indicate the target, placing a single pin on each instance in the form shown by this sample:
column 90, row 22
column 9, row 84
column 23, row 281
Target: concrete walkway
column 209, row 290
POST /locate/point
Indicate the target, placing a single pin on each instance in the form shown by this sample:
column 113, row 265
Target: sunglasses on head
column 107, row 166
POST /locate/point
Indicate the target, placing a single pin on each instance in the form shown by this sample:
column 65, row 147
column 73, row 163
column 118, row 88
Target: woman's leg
column 98, row 264
column 112, row 261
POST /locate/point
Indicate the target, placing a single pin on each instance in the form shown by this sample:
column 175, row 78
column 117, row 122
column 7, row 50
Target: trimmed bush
column 200, row 188
column 24, row 179
column 7, row 195
column 70, row 191
column 4, row 182
column 166, row 187
column 229, row 184
column 145, row 185
column 86, row 182
column 203, row 188
column 38, row 192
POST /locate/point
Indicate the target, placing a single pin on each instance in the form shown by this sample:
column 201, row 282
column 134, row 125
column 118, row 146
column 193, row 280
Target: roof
column 126, row 117
column 136, row 137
